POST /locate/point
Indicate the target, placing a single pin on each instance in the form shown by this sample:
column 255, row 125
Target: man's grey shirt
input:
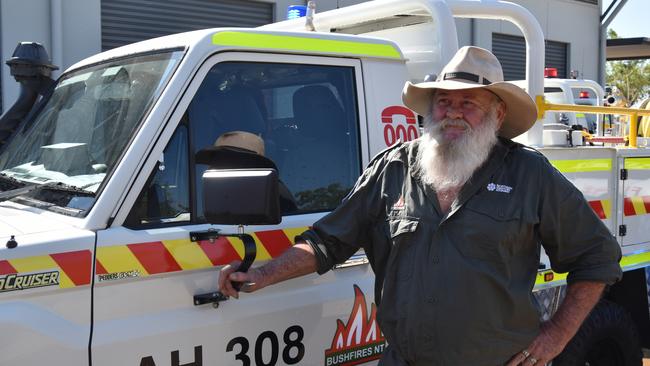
column 456, row 288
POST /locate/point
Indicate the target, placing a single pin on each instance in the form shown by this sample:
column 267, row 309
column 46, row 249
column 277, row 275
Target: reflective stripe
column 637, row 205
column 556, row 279
column 74, row 268
column 180, row 255
column 580, row 166
column 635, row 260
column 119, row 259
column 637, row 163
column 39, row 264
column 607, row 206
column 187, row 256
column 602, row 208
column 310, row 44
column 149, row 258
column 628, row 262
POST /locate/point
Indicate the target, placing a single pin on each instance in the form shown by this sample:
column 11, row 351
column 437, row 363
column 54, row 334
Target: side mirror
column 241, row 196
column 237, row 197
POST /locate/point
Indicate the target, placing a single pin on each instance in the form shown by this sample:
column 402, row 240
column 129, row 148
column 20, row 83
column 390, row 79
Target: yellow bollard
column 633, row 128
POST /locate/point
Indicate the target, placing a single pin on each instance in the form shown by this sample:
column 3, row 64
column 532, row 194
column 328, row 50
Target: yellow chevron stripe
column 293, row 232
column 187, row 254
column 639, row 207
column 607, row 207
column 581, row 166
column 119, row 258
column 637, row 163
column 41, row 263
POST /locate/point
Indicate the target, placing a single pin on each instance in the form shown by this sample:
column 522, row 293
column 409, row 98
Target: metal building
column 74, row 29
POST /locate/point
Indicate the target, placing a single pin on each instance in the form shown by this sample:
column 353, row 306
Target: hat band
column 466, row 76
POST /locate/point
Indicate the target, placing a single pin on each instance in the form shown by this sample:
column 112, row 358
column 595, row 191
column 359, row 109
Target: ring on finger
column 525, row 353
column 532, row 360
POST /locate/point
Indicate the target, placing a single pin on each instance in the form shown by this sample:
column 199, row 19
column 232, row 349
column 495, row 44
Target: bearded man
column 452, row 224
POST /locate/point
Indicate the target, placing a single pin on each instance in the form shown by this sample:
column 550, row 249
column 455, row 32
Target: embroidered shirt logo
column 493, row 187
column 399, row 205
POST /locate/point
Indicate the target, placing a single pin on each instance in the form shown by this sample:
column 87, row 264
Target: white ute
column 112, row 258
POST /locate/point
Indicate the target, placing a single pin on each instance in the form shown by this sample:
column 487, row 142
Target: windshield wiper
column 63, row 187
column 7, row 195
column 8, row 182
column 53, row 186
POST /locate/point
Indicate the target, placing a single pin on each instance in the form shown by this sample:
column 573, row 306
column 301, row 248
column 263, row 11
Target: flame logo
column 360, row 330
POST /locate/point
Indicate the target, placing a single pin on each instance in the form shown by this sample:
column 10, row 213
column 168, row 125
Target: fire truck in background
column 116, row 221
column 558, row 125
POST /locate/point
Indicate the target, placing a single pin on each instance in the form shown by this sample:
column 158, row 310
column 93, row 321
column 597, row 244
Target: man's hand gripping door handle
column 250, row 252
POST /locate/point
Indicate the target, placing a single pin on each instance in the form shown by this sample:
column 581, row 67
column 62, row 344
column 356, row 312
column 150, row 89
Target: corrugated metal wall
column 511, row 52
column 128, row 21
column 556, row 56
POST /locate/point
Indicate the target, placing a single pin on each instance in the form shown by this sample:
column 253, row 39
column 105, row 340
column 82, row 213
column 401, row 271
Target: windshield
column 81, row 130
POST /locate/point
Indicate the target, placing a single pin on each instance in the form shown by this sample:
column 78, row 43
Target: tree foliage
column 631, row 77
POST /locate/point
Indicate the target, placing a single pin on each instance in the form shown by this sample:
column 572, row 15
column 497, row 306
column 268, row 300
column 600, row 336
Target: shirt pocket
column 490, row 232
column 402, row 232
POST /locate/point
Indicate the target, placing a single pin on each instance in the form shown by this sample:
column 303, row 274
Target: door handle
column 250, row 253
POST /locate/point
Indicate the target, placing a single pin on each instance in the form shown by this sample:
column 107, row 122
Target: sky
column 632, row 20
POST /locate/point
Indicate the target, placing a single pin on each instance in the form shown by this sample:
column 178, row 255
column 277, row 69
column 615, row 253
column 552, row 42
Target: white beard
column 448, row 165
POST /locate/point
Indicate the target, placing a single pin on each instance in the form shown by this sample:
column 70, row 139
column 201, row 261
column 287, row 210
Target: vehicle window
column 302, row 117
column 166, row 196
column 305, row 116
column 78, row 135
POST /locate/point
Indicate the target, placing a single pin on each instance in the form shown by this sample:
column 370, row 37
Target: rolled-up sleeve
column 574, row 238
column 339, row 234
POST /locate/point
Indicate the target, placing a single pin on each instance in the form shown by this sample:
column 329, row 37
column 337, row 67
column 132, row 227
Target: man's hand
column 296, row 261
column 555, row 334
column 250, row 281
column 544, row 348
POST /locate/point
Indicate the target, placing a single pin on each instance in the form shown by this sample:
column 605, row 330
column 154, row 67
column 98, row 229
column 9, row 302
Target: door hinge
column 622, row 230
column 623, row 174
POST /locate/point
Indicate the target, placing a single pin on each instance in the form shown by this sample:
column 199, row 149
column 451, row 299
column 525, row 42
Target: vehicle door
column 308, row 111
column 635, row 215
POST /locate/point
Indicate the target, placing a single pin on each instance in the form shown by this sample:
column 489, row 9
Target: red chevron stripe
column 154, row 257
column 275, row 241
column 628, row 207
column 6, row 268
column 598, row 208
column 220, row 252
column 99, row 268
column 77, row 265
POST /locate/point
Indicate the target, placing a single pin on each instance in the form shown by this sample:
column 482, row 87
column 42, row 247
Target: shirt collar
column 476, row 181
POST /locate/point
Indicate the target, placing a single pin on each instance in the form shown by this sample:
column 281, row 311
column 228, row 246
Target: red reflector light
column 550, row 72
column 584, row 94
column 548, row 277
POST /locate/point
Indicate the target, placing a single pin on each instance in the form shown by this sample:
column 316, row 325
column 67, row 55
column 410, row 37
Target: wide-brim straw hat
column 470, row 68
column 235, row 149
